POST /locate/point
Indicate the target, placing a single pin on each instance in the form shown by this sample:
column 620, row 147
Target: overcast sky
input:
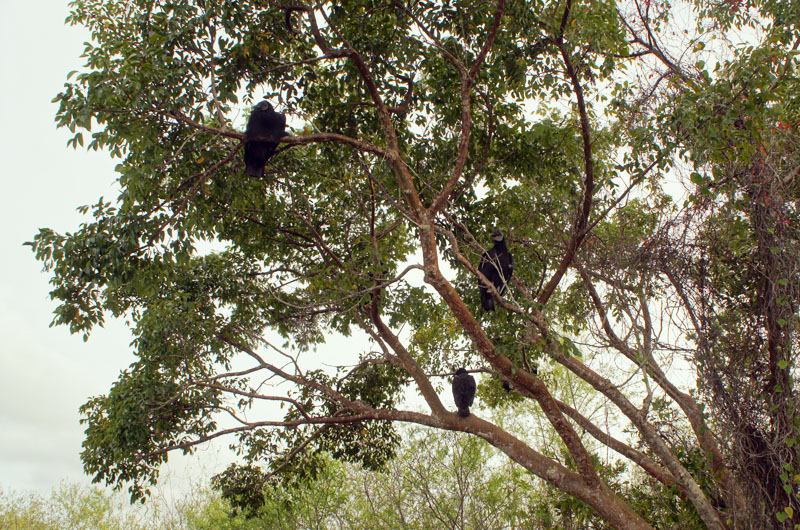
column 45, row 373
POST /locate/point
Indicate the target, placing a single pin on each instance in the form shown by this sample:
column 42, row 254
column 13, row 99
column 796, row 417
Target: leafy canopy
column 417, row 128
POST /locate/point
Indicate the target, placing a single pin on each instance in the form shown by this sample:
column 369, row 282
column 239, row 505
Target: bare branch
column 639, row 458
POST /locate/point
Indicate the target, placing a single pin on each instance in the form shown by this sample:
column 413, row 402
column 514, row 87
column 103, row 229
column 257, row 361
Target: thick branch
column 288, row 140
column 333, row 138
column 503, row 364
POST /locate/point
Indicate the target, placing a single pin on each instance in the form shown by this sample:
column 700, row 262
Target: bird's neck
column 500, row 245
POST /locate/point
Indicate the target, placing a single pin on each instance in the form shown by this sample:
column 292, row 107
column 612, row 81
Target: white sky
column 45, row 373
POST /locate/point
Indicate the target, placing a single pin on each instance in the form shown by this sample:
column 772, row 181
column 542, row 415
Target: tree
column 444, row 480
column 69, row 507
column 418, row 128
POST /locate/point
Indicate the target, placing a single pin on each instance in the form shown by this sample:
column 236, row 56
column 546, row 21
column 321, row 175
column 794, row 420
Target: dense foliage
column 640, row 158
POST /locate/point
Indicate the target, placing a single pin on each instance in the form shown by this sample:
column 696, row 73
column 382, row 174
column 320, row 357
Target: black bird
column 269, row 127
column 497, row 265
column 463, row 391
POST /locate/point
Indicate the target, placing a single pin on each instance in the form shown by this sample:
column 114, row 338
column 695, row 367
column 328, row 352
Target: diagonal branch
column 686, row 402
column 408, row 362
column 639, row 458
column 687, row 483
column 454, row 248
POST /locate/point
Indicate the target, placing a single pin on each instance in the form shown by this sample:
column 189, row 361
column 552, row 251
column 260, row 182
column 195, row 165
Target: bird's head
column 460, row 371
column 263, row 106
column 497, row 235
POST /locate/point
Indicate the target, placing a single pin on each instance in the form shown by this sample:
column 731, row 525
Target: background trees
column 438, row 479
column 418, row 128
column 68, row 507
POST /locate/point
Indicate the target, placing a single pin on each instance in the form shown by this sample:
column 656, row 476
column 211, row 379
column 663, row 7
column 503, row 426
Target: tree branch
column 467, row 82
column 579, row 226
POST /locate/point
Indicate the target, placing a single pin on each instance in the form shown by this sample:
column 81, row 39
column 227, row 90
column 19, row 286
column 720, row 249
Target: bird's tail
column 487, row 302
column 463, row 412
column 257, row 172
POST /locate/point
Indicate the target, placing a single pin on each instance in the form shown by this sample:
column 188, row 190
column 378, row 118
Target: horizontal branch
column 289, row 140
column 333, row 138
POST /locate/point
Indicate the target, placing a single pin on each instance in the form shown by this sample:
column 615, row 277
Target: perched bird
column 463, row 391
column 268, row 127
column 497, row 265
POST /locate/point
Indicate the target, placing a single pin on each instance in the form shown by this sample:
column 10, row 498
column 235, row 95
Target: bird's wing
column 495, row 265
